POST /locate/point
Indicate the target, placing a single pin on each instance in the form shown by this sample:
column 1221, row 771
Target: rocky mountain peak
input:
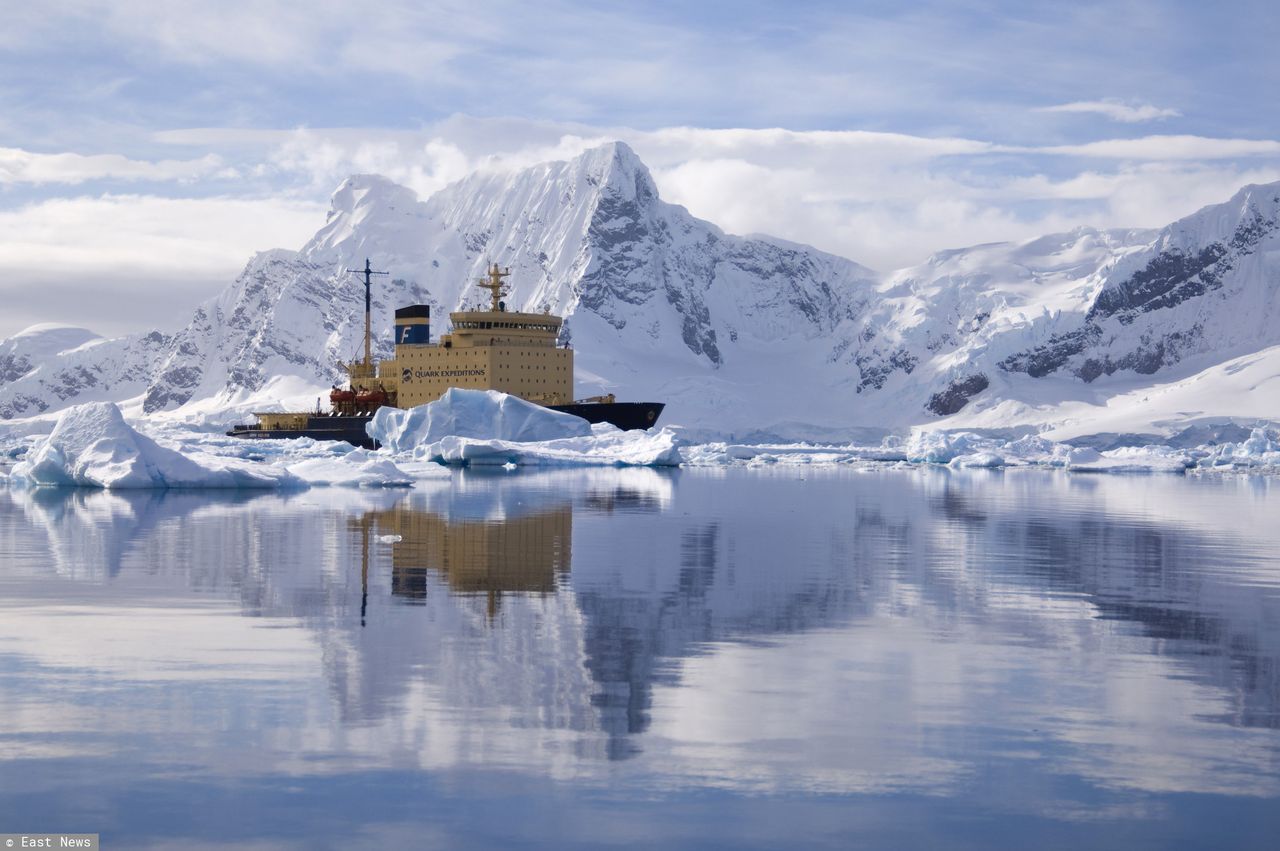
column 728, row 329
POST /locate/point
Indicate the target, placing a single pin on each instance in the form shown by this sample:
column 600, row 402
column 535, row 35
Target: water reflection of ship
column 525, row 554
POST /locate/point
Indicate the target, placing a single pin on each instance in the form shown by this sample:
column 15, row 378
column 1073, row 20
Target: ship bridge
column 493, row 349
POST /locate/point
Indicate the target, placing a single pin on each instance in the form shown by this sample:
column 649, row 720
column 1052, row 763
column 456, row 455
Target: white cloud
column 789, row 182
column 1115, row 110
column 120, row 263
column 1154, row 148
column 19, row 166
column 886, row 200
column 149, row 233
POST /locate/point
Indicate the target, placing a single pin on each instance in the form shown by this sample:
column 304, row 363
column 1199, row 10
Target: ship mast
column 368, row 273
column 493, row 283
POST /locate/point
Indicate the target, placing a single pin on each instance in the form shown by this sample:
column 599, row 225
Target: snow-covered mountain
column 48, row 367
column 1070, row 329
column 737, row 334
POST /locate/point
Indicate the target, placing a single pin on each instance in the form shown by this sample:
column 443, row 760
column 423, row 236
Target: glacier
column 1128, row 336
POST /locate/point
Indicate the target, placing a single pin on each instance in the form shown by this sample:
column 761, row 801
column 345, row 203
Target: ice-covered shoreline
column 93, row 445
column 966, row 450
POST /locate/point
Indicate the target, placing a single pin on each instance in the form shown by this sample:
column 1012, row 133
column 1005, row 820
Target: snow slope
column 742, row 336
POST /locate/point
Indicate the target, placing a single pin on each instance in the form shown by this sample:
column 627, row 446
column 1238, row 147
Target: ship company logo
column 407, row 375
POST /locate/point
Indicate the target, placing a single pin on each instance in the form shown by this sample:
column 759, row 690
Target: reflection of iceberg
column 93, row 534
column 90, row 532
column 485, row 494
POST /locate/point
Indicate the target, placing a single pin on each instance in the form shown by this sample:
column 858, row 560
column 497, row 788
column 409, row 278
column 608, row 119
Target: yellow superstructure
column 493, row 349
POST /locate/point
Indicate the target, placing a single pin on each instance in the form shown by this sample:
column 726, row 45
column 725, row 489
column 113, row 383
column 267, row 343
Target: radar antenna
column 368, row 273
column 493, row 283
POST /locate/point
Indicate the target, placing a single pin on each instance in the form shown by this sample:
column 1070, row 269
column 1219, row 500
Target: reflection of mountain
column 547, row 616
column 1162, row 581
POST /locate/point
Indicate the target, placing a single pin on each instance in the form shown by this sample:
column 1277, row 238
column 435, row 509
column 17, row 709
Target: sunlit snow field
column 840, row 655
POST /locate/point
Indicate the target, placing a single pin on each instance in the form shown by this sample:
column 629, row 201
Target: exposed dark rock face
column 593, row 236
column 876, row 369
column 1150, row 355
column 633, row 259
column 957, row 395
column 1170, row 278
column 1053, row 355
column 1173, row 277
column 121, row 366
column 173, row 387
column 13, row 367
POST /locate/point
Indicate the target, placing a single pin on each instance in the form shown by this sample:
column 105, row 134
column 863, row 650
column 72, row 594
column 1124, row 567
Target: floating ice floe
column 605, row 445
column 489, row 428
column 936, row 447
column 358, row 468
column 93, row 446
column 977, row 460
column 1130, row 459
column 745, row 454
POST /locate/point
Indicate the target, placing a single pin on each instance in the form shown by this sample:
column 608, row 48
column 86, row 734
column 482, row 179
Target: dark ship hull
column 318, row 427
column 624, row 415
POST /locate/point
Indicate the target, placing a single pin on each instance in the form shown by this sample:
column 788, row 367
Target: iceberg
column 604, row 446
column 940, row 447
column 491, row 428
column 92, row 446
column 481, row 414
column 977, row 460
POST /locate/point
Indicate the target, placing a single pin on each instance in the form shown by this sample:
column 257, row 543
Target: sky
column 147, row 150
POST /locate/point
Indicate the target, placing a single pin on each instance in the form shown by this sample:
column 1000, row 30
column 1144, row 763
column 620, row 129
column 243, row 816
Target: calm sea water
column 698, row 658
